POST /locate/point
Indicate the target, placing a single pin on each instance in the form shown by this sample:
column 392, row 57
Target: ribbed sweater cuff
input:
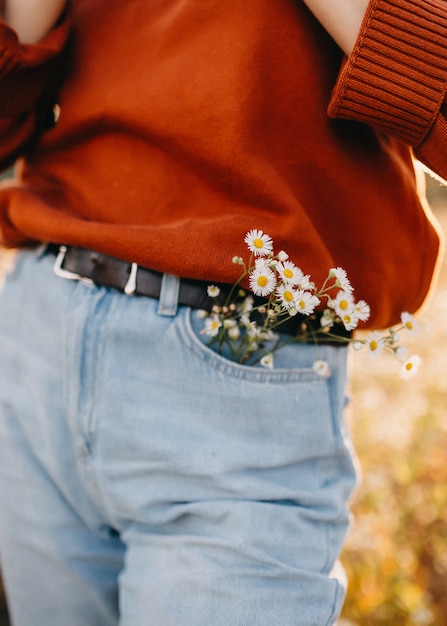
column 396, row 77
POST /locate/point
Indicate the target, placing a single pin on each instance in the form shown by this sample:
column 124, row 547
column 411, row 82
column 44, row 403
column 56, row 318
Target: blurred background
column 396, row 553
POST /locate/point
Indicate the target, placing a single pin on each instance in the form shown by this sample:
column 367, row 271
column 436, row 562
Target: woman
column 145, row 478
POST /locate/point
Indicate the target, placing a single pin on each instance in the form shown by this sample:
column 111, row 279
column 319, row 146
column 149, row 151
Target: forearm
column 341, row 18
column 396, row 80
column 32, row 19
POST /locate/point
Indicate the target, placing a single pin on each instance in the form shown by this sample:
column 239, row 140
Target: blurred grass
column 396, row 553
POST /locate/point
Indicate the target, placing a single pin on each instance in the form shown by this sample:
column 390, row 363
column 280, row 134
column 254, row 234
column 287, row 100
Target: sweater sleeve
column 29, row 75
column 396, row 77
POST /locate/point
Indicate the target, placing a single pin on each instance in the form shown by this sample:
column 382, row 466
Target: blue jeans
column 147, row 481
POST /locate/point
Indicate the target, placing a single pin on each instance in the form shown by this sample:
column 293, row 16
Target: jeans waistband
column 77, row 263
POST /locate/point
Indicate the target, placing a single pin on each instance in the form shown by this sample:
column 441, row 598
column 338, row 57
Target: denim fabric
column 147, row 481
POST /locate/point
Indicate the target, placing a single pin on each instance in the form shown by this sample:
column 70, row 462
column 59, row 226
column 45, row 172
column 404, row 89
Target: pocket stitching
column 220, row 363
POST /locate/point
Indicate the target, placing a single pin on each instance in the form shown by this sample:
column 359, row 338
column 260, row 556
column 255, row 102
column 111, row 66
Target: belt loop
column 169, row 292
column 131, row 286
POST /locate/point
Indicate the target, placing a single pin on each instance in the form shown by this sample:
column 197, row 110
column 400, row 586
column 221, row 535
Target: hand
column 32, row 19
column 341, row 18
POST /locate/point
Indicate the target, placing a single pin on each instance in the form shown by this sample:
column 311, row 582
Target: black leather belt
column 81, row 264
column 108, row 271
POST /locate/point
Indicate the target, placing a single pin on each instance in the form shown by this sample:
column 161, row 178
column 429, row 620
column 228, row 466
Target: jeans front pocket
column 289, row 403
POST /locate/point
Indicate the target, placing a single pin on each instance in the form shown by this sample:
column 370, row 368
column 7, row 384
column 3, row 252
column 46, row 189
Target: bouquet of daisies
column 249, row 324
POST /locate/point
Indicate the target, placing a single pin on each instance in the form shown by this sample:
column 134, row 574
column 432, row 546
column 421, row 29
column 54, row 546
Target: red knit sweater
column 185, row 124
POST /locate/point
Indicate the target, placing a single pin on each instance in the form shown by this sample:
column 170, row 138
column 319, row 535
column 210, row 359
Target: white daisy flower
column 267, row 360
column 343, row 304
column 410, row 367
column 306, row 284
column 247, row 304
column 350, row 320
column 357, row 345
column 362, row 310
column 341, row 279
column 234, row 332
column 227, row 324
column 262, row 261
column 305, row 302
column 245, row 319
column 408, row 322
column 253, row 330
column 322, row 368
column 262, row 280
column 259, row 243
column 267, row 335
column 213, row 291
column 212, row 325
column 252, row 346
column 375, row 343
column 287, row 296
column 289, row 272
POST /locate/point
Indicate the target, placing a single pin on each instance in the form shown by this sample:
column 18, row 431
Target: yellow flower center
column 262, row 281
column 343, row 305
column 409, row 366
column 301, row 304
column 373, row 345
column 409, row 325
column 288, row 273
column 258, row 243
column 288, row 296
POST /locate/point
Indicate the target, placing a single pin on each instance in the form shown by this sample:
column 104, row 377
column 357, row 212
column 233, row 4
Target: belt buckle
column 59, row 270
